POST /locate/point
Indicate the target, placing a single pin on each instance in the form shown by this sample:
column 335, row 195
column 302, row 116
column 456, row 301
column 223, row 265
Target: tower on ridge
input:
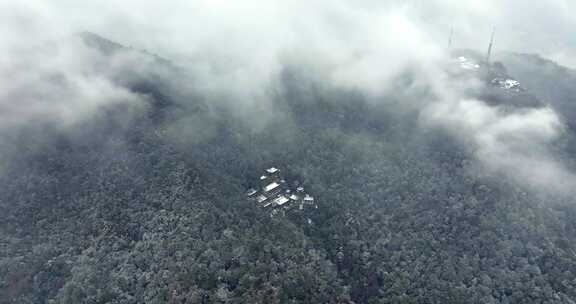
column 489, row 54
column 451, row 37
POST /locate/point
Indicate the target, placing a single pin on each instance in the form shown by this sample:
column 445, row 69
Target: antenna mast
column 489, row 54
column 451, row 37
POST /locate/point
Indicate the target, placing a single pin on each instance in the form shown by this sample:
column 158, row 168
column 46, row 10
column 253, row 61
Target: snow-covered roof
column 468, row 64
column 507, row 84
column 263, row 177
column 272, row 170
column 308, row 198
column 271, row 187
column 294, row 197
column 251, row 192
column 300, row 189
column 261, row 198
column 281, row 200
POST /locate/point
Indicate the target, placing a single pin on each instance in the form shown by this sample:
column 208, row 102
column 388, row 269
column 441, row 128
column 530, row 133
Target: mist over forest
column 130, row 134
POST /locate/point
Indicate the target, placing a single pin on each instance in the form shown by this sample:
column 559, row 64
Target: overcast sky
column 183, row 26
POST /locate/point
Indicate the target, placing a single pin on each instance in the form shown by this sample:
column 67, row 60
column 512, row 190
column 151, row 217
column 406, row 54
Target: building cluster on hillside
column 274, row 193
column 468, row 64
column 507, row 84
column 496, row 77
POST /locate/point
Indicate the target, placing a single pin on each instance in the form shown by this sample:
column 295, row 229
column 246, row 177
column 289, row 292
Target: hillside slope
column 144, row 203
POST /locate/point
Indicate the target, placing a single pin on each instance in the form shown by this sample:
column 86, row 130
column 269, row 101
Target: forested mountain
column 143, row 202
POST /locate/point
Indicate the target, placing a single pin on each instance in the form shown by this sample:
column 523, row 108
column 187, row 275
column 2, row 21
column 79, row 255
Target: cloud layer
column 235, row 51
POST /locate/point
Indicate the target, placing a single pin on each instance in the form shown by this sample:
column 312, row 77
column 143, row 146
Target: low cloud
column 515, row 144
column 236, row 50
column 55, row 84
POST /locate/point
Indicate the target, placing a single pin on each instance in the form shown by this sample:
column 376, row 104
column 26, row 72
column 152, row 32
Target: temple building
column 274, row 193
